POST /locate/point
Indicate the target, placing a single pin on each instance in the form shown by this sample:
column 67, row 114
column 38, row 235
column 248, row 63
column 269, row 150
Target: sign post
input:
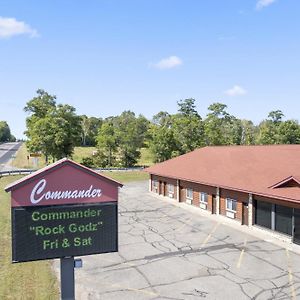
column 67, row 281
column 61, row 211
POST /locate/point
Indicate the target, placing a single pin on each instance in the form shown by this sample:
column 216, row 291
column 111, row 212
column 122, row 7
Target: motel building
column 256, row 186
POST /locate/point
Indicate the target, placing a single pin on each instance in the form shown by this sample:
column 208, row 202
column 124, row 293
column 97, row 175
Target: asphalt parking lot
column 168, row 252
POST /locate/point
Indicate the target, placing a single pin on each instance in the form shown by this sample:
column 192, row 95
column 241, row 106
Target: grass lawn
column 30, row 280
column 21, row 158
column 146, row 158
column 127, row 176
column 80, row 152
column 22, row 162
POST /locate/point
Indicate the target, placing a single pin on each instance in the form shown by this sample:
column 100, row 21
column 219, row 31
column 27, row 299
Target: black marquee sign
column 46, row 232
column 63, row 210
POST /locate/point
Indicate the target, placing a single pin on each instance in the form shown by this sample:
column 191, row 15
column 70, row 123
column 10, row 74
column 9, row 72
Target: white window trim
column 190, row 198
column 155, row 186
column 233, row 200
column 169, row 190
column 201, row 198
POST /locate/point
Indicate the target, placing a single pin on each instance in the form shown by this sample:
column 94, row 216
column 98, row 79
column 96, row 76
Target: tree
column 89, row 130
column 107, row 145
column 5, row 135
column 162, row 118
column 142, row 125
column 217, row 119
column 66, row 125
column 187, row 107
column 129, row 139
column 52, row 129
column 249, row 132
column 233, row 131
column 161, row 141
column 187, row 126
column 40, row 105
column 269, row 128
column 289, row 132
column 276, row 116
column 268, row 133
column 120, row 138
column 85, row 124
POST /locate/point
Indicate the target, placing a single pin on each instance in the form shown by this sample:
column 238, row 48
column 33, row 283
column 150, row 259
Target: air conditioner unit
column 171, row 195
column 203, row 205
column 230, row 214
column 188, row 201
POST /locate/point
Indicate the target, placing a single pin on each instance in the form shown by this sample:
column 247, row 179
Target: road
column 6, row 152
column 179, row 252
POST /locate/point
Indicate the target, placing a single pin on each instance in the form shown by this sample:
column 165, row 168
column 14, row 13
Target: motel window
column 231, row 204
column 203, row 198
column 189, row 193
column 171, row 188
column 155, row 185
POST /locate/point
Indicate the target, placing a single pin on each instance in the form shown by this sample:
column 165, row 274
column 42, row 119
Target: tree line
column 55, row 129
column 5, row 134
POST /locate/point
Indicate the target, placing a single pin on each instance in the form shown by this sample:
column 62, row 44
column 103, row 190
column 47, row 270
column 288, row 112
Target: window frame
column 232, row 201
column 187, row 197
column 205, row 196
column 155, row 185
column 171, row 191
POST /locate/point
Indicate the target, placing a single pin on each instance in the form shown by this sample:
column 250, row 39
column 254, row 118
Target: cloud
column 236, row 91
column 167, row 63
column 260, row 4
column 10, row 27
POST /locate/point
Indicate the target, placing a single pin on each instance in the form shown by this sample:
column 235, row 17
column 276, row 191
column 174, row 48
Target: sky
column 104, row 57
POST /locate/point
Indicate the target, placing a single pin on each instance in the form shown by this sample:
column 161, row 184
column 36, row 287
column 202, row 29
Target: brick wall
column 239, row 196
column 210, row 190
column 209, row 202
column 163, row 182
column 222, row 206
column 197, row 189
column 182, row 194
column 239, row 211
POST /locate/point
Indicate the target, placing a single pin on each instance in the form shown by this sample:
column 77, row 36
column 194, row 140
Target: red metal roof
column 54, row 166
column 252, row 169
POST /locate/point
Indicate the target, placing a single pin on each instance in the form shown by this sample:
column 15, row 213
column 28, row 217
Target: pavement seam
column 290, row 274
column 184, row 224
column 238, row 265
column 210, row 234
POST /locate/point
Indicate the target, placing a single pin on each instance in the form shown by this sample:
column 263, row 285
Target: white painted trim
column 250, row 211
column 178, row 190
column 218, row 201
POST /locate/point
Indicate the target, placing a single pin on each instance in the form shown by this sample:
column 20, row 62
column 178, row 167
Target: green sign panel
column 45, row 232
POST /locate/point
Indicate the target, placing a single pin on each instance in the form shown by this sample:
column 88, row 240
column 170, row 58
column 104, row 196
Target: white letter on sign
column 38, row 189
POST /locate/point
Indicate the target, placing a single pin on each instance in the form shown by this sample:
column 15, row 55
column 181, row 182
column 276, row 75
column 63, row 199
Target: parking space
column 168, row 252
